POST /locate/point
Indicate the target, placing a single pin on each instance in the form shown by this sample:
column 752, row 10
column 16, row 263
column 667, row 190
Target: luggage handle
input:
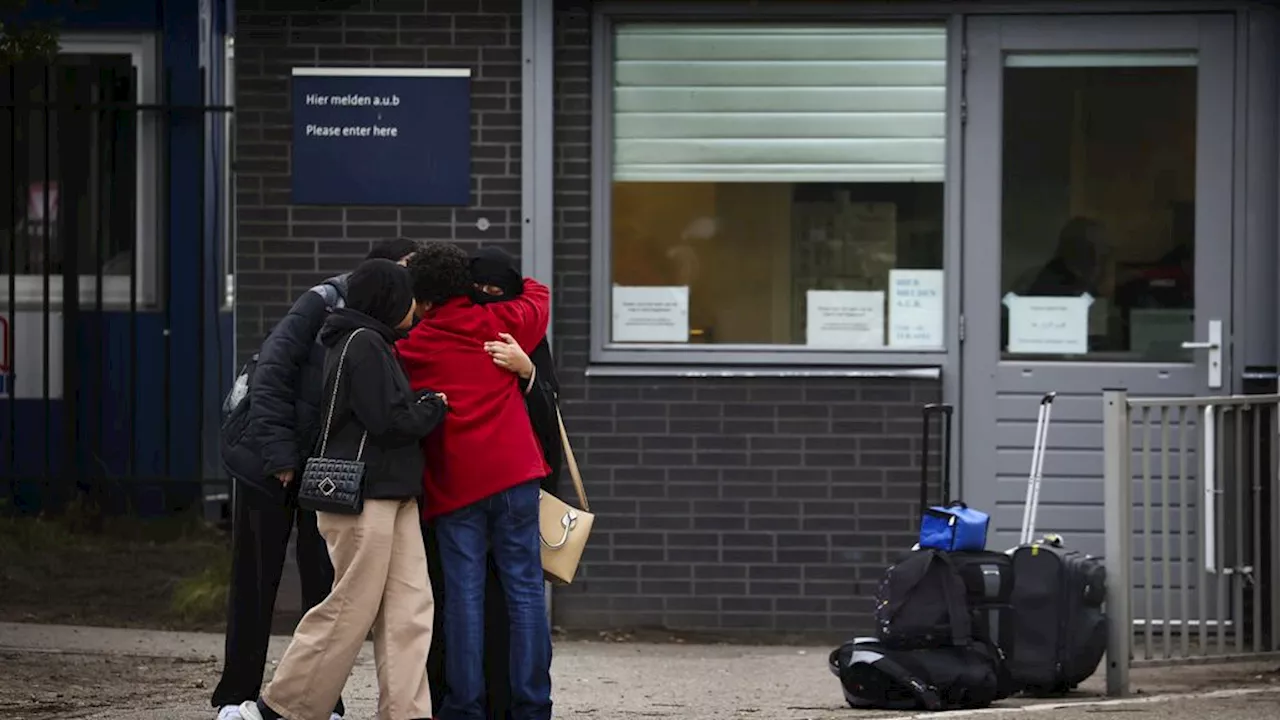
column 1031, row 508
column 927, row 412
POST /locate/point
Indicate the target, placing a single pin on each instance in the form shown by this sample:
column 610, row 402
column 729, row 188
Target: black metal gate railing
column 115, row 334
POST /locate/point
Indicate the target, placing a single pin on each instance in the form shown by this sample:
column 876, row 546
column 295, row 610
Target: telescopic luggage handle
column 927, row 412
column 1032, row 506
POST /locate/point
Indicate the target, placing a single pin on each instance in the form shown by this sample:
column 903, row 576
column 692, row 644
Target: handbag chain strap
column 333, row 400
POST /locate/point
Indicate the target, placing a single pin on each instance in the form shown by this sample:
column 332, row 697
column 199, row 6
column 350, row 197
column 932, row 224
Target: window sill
column 671, row 371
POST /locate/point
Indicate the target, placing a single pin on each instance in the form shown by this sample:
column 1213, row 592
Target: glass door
column 1097, row 242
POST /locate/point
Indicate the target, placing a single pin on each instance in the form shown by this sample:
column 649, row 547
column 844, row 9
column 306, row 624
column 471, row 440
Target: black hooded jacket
column 373, row 396
column 284, row 397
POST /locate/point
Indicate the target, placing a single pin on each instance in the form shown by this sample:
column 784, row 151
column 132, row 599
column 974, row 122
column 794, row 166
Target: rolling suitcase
column 1059, row 629
column 988, row 576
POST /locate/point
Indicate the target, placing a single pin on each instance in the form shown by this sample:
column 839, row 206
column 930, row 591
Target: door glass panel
column 1098, row 219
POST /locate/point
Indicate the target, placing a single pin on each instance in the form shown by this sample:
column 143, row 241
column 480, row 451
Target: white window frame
column 30, row 289
column 606, row 352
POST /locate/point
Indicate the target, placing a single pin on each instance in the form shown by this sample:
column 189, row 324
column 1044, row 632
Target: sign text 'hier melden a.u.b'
column 381, row 136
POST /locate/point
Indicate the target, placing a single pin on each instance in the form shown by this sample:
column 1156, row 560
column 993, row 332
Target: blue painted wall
column 150, row 435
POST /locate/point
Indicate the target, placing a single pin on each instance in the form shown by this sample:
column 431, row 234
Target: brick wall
column 283, row 250
column 725, row 504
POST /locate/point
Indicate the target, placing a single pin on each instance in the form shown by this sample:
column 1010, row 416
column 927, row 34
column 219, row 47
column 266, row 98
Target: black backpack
column 874, row 676
column 921, row 603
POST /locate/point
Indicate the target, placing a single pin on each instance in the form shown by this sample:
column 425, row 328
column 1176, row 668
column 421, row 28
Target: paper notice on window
column 1048, row 325
column 916, row 308
column 846, row 319
column 656, row 314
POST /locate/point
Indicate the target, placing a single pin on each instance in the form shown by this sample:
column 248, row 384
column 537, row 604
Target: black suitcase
column 987, row 575
column 1060, row 630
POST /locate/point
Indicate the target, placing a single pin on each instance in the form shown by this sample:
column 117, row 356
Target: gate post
column 1118, row 512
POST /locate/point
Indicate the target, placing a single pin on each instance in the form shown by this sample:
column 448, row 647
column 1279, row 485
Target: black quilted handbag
column 329, row 484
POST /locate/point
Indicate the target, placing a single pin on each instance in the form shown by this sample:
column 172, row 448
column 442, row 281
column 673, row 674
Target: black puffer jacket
column 373, row 396
column 284, row 398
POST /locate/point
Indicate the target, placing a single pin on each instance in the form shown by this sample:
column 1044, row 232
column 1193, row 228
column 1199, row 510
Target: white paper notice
column 1048, row 325
column 916, row 308
column 650, row 314
column 845, row 318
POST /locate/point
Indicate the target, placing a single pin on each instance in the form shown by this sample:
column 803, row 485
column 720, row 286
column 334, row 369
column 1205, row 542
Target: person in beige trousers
column 379, row 563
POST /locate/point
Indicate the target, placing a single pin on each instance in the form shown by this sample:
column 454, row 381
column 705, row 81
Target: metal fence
column 112, row 315
column 1192, row 513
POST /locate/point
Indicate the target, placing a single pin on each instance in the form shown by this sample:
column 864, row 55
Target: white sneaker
column 230, row 712
column 335, row 716
column 249, row 710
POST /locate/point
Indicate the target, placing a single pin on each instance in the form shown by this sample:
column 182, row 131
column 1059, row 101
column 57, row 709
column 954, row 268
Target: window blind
column 754, row 103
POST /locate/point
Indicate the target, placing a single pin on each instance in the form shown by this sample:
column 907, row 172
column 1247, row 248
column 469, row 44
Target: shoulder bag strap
column 573, row 463
column 333, row 400
column 957, row 607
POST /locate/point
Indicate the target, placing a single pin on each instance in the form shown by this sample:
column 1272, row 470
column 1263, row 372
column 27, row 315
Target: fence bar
column 1255, row 528
column 1204, row 512
column 1220, row 535
column 1273, row 477
column 47, row 239
column 11, row 438
column 1237, row 577
column 1146, row 533
column 1165, row 582
column 1186, row 563
column 1118, row 490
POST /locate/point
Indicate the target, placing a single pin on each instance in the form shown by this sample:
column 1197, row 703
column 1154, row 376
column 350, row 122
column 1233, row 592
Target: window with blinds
column 785, row 103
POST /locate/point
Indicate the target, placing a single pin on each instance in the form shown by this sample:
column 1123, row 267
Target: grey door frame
column 987, row 39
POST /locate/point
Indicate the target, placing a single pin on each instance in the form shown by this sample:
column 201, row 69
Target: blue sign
column 364, row 136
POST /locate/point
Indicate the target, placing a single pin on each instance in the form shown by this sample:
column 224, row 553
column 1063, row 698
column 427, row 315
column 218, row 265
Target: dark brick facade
column 732, row 505
column 283, row 250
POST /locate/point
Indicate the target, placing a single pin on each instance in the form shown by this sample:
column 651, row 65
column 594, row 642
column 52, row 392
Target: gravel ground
column 55, row 672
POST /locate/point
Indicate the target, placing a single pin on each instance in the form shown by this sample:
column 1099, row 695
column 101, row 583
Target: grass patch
column 169, row 573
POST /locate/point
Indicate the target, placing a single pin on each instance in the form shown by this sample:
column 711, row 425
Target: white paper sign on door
column 844, row 318
column 916, row 308
column 655, row 314
column 1048, row 325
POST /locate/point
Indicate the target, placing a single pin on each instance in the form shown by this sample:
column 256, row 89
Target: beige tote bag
column 564, row 529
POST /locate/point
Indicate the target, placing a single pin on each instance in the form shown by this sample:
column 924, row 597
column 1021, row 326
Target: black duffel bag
column 942, row 678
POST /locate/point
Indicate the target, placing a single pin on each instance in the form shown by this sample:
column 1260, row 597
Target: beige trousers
column 380, row 583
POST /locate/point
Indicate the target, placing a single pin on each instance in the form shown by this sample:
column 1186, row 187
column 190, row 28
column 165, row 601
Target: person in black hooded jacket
column 496, row 279
column 281, row 424
column 380, row 573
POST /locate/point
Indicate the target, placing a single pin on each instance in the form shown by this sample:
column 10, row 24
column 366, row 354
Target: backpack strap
column 924, row 693
column 957, row 607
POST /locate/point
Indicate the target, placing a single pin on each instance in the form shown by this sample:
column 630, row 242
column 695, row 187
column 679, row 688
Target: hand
column 508, row 355
column 426, row 395
column 285, row 477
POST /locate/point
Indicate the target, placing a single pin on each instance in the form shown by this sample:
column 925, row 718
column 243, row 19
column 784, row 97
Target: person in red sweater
column 483, row 467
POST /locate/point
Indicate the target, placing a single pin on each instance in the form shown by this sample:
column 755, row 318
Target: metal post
column 537, row 167
column 1118, row 491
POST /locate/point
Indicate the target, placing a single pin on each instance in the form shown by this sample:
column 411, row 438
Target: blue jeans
column 507, row 523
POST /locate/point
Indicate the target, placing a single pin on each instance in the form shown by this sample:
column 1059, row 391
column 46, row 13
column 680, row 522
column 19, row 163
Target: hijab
column 493, row 266
column 382, row 290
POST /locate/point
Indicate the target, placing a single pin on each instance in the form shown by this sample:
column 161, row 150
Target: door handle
column 1213, row 346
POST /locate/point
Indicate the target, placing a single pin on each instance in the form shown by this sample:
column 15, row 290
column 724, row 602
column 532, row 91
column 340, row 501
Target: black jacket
column 373, row 396
column 543, row 401
column 284, row 398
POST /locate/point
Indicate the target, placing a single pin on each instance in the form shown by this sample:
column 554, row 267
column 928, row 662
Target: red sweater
column 486, row 443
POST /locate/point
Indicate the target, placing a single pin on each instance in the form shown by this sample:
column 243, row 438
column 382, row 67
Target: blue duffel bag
column 954, row 527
